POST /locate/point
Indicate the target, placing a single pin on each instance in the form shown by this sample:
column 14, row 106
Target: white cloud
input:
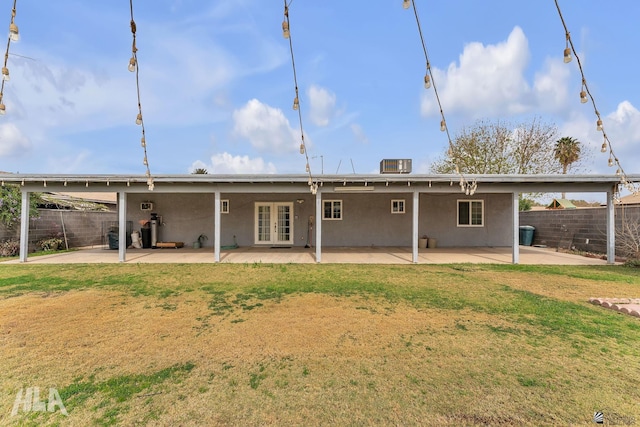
column 626, row 118
column 550, row 86
column 358, row 132
column 488, row 80
column 266, row 128
column 225, row 163
column 322, row 103
column 12, row 141
column 623, row 130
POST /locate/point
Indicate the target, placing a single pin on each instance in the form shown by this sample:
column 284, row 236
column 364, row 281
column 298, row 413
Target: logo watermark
column 30, row 401
column 613, row 419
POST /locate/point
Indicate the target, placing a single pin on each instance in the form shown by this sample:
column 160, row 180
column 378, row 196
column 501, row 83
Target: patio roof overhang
column 328, row 183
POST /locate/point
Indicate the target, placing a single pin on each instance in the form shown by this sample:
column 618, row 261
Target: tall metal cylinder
column 154, row 230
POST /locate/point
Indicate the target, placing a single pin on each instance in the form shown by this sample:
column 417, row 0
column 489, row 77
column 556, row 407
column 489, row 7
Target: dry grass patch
column 273, row 345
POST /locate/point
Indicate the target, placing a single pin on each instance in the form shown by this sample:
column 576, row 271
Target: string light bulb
column 285, row 24
column 143, row 142
column 296, row 104
column 301, row 148
column 567, row 50
column 610, row 163
column 406, row 4
column 427, row 81
column 139, row 119
column 307, row 168
column 3, row 109
column 583, row 96
column 14, row 34
column 443, row 125
column 132, row 64
column 604, row 147
column 599, row 125
column 5, row 74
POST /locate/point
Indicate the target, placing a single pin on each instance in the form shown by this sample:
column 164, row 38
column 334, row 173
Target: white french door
column 273, row 224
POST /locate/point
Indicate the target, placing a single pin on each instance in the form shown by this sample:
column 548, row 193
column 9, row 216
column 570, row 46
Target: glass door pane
column 284, row 224
column 263, row 223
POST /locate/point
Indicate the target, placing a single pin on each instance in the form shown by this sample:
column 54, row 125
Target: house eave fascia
column 298, row 182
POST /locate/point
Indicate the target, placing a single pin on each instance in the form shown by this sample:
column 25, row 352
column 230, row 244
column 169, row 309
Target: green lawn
column 265, row 344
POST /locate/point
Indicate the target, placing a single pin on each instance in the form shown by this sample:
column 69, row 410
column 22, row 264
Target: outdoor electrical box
column 395, row 166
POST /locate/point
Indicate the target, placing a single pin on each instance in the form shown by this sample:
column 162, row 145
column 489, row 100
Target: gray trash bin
column 526, row 235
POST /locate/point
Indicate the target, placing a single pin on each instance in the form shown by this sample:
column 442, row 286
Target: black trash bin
column 112, row 235
column 526, row 235
column 146, row 237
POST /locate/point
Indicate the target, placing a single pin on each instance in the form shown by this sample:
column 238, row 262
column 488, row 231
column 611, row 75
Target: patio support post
column 24, row 226
column 414, row 239
column 122, row 226
column 611, row 228
column 216, row 227
column 515, row 244
column 318, row 226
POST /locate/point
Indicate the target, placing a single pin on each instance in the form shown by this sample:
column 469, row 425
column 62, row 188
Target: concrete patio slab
column 334, row 255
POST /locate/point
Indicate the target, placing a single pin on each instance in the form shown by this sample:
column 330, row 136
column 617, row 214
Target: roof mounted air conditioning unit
column 395, row 166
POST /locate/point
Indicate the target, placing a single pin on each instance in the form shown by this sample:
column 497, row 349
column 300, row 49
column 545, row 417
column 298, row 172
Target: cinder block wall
column 584, row 229
column 82, row 228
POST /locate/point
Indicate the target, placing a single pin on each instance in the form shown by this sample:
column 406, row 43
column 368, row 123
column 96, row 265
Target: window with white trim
column 397, row 206
column 224, row 206
column 470, row 213
column 332, row 209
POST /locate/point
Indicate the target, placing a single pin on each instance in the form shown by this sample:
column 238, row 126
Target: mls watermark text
column 29, row 400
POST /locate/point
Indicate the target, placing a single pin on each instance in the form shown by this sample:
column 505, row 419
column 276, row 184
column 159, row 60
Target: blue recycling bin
column 526, row 235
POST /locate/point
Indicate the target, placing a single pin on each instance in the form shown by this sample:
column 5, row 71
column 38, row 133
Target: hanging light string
column 286, row 33
column 469, row 188
column 14, row 36
column 134, row 67
column 584, row 93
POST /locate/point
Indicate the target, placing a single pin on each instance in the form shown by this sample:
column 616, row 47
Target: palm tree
column 200, row 171
column 567, row 152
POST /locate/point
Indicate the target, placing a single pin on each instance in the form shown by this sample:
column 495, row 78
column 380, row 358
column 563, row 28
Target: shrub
column 9, row 248
column 632, row 263
column 51, row 243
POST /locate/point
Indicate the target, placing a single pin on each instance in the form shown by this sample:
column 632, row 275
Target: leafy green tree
column 501, row 148
column 11, row 205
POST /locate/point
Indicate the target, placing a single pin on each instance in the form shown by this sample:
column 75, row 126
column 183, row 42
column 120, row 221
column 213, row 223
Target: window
column 332, row 209
column 397, row 206
column 224, row 206
column 470, row 213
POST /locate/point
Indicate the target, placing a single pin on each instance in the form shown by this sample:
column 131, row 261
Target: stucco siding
column 368, row 221
column 184, row 216
column 438, row 220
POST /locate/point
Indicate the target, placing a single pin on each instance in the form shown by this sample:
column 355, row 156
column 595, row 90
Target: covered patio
column 345, row 218
column 333, row 255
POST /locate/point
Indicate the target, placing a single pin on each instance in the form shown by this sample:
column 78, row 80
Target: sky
column 217, row 86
